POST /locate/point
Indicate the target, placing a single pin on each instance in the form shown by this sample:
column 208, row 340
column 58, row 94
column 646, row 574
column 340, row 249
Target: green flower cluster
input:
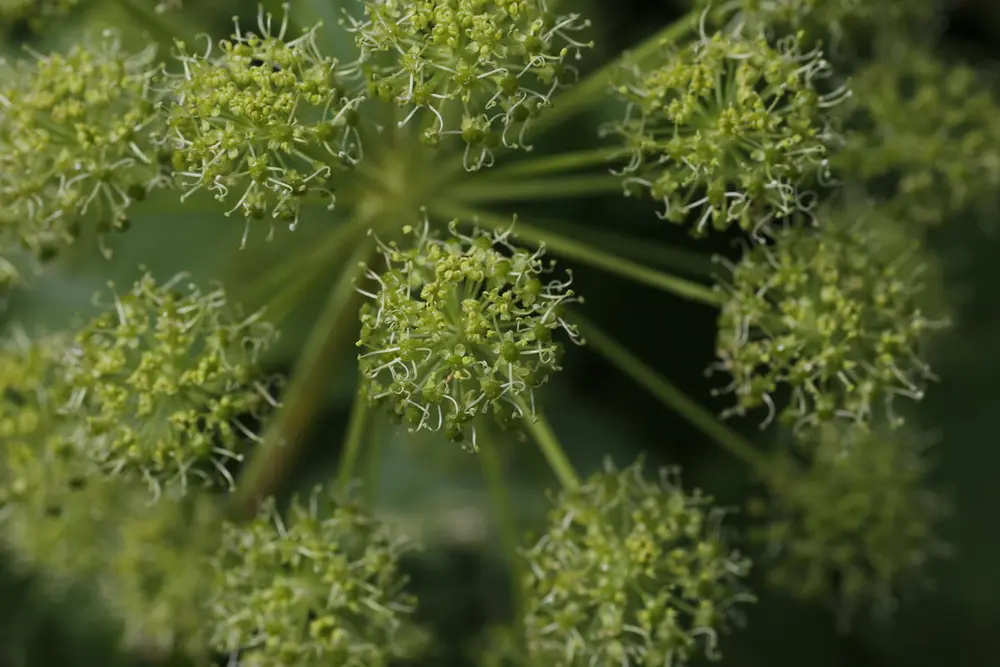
column 460, row 327
column 728, row 129
column 630, row 572
column 99, row 435
column 482, row 68
column 163, row 380
column 144, row 560
column 832, row 21
column 840, row 315
column 930, row 132
column 856, row 525
column 79, row 136
column 319, row 585
column 265, row 121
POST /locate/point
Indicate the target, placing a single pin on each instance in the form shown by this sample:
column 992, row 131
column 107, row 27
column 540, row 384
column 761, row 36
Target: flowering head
column 856, row 525
column 840, row 315
column 79, row 143
column 832, row 21
column 728, row 130
column 264, row 122
column 630, row 571
column 319, row 585
column 145, row 561
column 163, row 381
column 479, row 69
column 931, row 132
column 460, row 327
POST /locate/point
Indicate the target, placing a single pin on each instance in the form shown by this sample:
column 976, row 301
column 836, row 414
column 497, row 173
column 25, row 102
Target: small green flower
column 631, row 572
column 931, row 132
column 840, row 315
column 164, row 381
column 311, row 588
column 728, row 129
column 856, row 525
column 481, row 68
column 79, row 137
column 461, row 327
column 26, row 375
column 146, row 561
column 265, row 122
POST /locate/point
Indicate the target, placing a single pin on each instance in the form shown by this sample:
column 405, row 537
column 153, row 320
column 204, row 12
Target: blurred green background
column 434, row 490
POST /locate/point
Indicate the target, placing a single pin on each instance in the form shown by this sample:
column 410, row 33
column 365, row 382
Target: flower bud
column 167, row 385
column 631, row 572
column 460, row 327
column 318, row 586
column 728, row 130
column 490, row 64
column 264, row 122
column 840, row 315
column 856, row 525
column 78, row 143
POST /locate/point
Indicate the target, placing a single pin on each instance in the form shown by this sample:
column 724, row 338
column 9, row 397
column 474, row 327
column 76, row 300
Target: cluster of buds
column 840, row 315
column 931, row 131
column 265, row 122
column 460, row 327
column 166, row 382
column 855, row 526
column 79, row 143
column 317, row 585
column 831, row 21
column 631, row 572
column 728, row 130
column 481, row 69
column 146, row 562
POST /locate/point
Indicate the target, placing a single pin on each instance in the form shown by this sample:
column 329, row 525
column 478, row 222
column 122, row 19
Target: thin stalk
column 160, row 27
column 373, row 465
column 690, row 262
column 273, row 460
column 294, row 268
column 672, row 397
column 561, row 162
column 548, row 443
column 587, row 254
column 595, row 84
column 493, row 475
column 357, row 429
column 567, row 187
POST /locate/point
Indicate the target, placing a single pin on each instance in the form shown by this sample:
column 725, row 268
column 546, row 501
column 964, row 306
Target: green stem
column 492, row 467
column 489, row 190
column 595, row 84
column 160, row 28
column 273, row 460
column 547, row 441
column 583, row 252
column 560, row 162
column 300, row 270
column 373, row 465
column 672, row 397
column 357, row 428
column 693, row 263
